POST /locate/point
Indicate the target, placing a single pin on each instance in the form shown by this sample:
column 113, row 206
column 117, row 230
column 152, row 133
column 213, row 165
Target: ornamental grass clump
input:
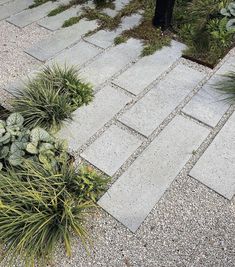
column 50, row 98
column 227, row 86
column 41, row 208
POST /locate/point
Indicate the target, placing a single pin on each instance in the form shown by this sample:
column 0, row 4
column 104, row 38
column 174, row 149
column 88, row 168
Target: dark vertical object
column 163, row 13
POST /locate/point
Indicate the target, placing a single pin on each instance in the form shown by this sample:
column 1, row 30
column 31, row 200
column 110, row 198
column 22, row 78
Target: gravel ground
column 13, row 61
column 190, row 226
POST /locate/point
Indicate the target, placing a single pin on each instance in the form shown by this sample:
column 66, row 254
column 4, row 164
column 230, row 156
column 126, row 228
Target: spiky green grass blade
column 41, row 105
column 38, row 210
column 50, row 98
column 227, row 87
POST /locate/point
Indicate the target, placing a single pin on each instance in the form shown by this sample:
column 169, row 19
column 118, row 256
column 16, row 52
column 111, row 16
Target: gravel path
column 191, row 225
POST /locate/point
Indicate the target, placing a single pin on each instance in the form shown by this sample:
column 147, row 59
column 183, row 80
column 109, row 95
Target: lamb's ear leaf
column 15, row 119
column 231, row 25
column 225, row 12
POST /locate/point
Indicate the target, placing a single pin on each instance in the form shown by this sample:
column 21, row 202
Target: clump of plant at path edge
column 18, row 144
column 208, row 31
column 50, row 98
column 227, row 86
column 40, row 208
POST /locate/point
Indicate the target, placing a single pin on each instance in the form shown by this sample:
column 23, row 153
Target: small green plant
column 58, row 10
column 71, row 21
column 39, row 2
column 18, row 144
column 120, row 39
column 39, row 208
column 227, row 86
column 51, row 97
column 205, row 31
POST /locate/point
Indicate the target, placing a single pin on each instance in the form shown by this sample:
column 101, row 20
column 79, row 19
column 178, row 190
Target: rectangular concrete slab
column 119, row 4
column 111, row 62
column 111, row 150
column 78, row 54
column 14, row 7
column 131, row 198
column 89, row 119
column 17, row 85
column 216, row 167
column 4, row 1
column 208, row 105
column 150, row 111
column 60, row 40
column 104, row 39
column 149, row 68
column 55, row 22
column 28, row 16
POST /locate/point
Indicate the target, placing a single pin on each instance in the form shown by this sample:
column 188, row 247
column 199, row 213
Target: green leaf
column 5, row 138
column 40, row 135
column 4, row 152
column 32, row 149
column 15, row 119
column 15, row 160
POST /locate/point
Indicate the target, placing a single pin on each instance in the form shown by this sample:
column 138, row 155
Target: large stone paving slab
column 149, row 68
column 4, row 1
column 28, row 16
column 78, row 54
column 135, row 193
column 208, row 105
column 111, row 61
column 55, row 22
column 216, row 167
column 62, row 39
column 119, row 4
column 111, row 150
column 14, row 7
column 89, row 119
column 104, row 38
column 149, row 112
column 17, row 85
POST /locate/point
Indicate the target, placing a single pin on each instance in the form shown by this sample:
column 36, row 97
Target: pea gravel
column 190, row 226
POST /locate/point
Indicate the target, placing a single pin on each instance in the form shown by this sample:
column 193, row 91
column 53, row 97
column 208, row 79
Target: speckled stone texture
column 190, row 225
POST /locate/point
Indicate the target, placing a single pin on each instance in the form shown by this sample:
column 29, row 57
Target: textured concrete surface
column 105, row 39
column 4, row 1
column 13, row 7
column 89, row 119
column 145, row 71
column 55, row 22
column 150, row 111
column 111, row 150
column 216, row 167
column 28, row 16
column 136, row 192
column 208, row 105
column 191, row 224
column 76, row 55
column 111, row 62
column 63, row 38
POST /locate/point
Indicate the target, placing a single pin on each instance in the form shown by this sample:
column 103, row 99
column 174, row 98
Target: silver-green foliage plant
column 18, row 143
column 229, row 12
